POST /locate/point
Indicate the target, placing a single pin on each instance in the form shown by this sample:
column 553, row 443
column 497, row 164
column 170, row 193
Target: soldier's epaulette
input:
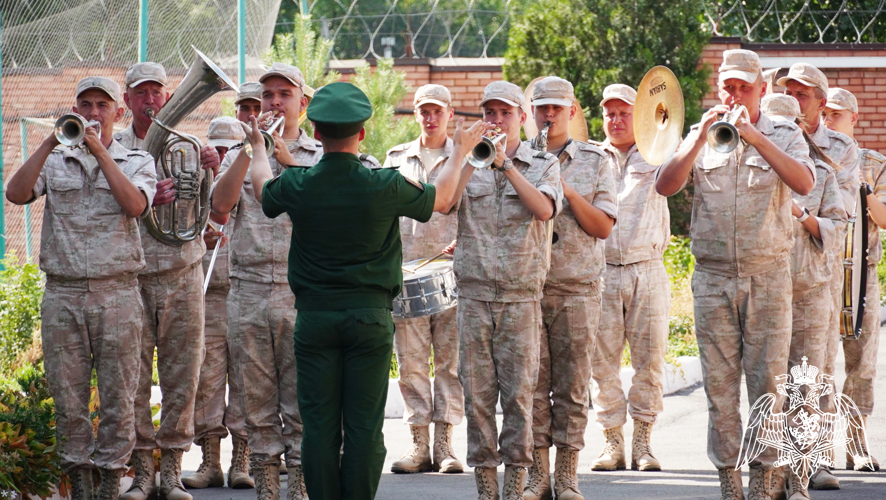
column 368, row 158
column 594, row 143
column 236, row 146
column 59, row 149
column 399, row 147
column 543, row 154
column 841, row 136
column 874, row 155
column 136, row 152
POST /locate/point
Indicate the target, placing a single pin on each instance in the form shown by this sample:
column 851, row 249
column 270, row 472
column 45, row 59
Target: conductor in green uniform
column 344, row 269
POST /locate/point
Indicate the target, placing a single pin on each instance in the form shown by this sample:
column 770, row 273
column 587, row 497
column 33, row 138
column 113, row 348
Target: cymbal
column 578, row 127
column 658, row 115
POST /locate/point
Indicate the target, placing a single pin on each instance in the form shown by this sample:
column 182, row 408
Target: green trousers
column 344, row 358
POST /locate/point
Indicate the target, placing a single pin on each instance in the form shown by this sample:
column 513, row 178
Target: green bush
column 21, row 291
column 385, row 88
column 881, row 271
column 29, row 464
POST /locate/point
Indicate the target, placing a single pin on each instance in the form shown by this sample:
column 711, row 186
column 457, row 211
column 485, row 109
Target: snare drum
column 429, row 290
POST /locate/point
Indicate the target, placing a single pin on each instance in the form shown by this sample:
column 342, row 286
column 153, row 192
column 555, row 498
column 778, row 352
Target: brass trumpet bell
column 267, row 135
column 658, row 115
column 483, row 153
column 70, row 129
column 722, row 135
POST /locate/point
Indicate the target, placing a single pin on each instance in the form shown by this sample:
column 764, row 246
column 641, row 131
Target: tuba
column 177, row 155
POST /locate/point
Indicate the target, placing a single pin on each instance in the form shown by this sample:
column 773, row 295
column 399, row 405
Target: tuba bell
column 177, row 155
column 70, row 129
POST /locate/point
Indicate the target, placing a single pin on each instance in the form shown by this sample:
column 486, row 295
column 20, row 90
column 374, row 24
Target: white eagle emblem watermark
column 792, row 423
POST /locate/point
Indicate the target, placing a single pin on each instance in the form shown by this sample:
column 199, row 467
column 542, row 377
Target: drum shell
column 426, row 294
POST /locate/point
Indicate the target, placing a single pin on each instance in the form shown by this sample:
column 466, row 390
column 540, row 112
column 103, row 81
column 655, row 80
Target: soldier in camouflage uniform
column 819, row 217
column 636, row 297
column 809, row 86
column 841, row 115
column 91, row 314
column 500, row 263
column 213, row 419
column 571, row 303
column 420, row 160
column 741, row 238
column 172, row 294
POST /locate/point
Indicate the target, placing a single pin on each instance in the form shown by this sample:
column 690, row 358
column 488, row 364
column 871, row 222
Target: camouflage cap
column 841, row 99
column 249, row 90
column 434, row 94
column 553, row 90
column 620, row 92
column 807, row 75
column 106, row 85
column 742, row 64
column 505, row 92
column 780, row 107
column 286, row 71
column 140, row 73
column 225, row 131
column 339, row 109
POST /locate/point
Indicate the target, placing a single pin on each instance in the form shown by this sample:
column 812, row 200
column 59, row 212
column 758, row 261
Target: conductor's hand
column 165, row 192
column 281, row 150
column 465, row 139
column 92, row 140
column 254, row 137
column 209, row 159
column 450, row 250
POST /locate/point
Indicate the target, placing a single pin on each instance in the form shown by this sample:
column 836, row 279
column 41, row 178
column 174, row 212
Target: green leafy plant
column 21, row 292
column 385, row 88
column 29, row 464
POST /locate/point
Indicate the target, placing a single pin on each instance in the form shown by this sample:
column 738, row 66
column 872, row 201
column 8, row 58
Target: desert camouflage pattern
column 85, row 233
column 212, row 415
column 642, row 291
column 413, row 340
column 422, row 240
column 498, row 358
column 503, row 250
column 810, row 266
column 261, row 322
column 811, row 324
column 861, row 355
column 160, row 257
column 843, row 151
column 221, row 271
column 872, row 166
column 645, row 228
column 560, row 403
column 173, row 309
column 414, row 337
column 259, row 246
column 577, row 260
column 741, row 210
column 743, row 326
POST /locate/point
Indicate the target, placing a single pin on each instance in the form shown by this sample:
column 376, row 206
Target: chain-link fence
column 48, row 45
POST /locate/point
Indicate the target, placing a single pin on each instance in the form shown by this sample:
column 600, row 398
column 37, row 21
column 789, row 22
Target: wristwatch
column 505, row 166
column 804, row 216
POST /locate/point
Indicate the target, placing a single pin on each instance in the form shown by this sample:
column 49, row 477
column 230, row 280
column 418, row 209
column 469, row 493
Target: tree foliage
column 385, row 88
column 21, row 291
column 595, row 43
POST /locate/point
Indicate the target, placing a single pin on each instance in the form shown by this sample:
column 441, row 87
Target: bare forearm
column 811, row 225
column 128, row 196
column 675, row 172
column 464, row 176
column 797, row 176
column 447, row 182
column 592, row 220
column 877, row 210
column 226, row 193
column 261, row 173
column 20, row 189
column 541, row 206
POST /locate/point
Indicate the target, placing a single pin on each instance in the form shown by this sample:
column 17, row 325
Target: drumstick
column 407, row 270
column 432, row 259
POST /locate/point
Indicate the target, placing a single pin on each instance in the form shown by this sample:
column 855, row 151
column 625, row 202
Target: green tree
column 595, row 43
column 385, row 88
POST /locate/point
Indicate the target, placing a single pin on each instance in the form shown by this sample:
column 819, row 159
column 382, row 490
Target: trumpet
column 483, row 153
column 267, row 134
column 541, row 142
column 70, row 129
column 722, row 136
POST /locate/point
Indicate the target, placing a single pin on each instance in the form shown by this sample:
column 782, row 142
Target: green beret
column 339, row 109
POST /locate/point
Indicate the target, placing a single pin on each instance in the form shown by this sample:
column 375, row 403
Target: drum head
column 859, row 262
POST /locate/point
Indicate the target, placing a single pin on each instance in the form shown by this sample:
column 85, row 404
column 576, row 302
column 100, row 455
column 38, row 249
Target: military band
column 556, row 247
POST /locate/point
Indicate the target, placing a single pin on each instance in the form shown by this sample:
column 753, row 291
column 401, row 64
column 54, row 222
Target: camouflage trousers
column 85, row 325
column 498, row 358
column 261, row 324
column 413, row 339
column 560, row 404
column 173, row 305
column 861, row 354
column 811, row 326
column 743, row 324
column 212, row 416
column 636, row 307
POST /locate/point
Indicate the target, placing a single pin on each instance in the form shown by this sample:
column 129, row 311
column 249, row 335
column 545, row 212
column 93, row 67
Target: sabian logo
column 661, row 87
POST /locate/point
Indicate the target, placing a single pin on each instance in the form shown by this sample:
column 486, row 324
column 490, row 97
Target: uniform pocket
column 65, row 194
column 761, row 177
column 105, row 203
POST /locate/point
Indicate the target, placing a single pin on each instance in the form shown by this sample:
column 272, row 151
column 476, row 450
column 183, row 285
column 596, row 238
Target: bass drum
column 855, row 269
